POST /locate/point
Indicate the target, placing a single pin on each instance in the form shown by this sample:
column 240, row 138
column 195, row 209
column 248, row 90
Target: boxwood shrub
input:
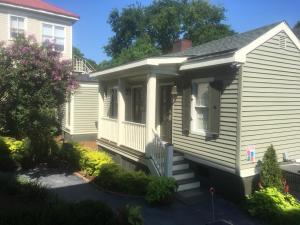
column 274, row 207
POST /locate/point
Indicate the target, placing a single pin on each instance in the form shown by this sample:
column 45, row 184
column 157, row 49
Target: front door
column 166, row 113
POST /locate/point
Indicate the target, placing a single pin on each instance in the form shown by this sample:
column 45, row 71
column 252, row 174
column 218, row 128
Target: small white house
column 80, row 114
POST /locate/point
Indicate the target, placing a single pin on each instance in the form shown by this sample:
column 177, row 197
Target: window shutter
column 186, row 105
column 215, row 89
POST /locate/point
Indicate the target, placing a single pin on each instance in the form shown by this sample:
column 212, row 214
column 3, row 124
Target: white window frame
column 53, row 31
column 9, row 25
column 193, row 130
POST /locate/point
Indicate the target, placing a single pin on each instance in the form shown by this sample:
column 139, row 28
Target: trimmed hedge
column 274, row 207
column 110, row 176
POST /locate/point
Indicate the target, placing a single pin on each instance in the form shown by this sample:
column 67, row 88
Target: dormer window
column 17, row 26
column 54, row 34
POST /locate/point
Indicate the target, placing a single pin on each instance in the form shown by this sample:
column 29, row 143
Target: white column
column 150, row 110
column 100, row 108
column 121, row 109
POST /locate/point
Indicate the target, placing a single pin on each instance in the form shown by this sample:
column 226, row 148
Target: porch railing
column 134, row 135
column 109, row 129
column 81, row 65
column 161, row 154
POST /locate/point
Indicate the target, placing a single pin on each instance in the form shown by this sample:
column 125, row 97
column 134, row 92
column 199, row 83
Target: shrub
column 275, row 207
column 129, row 215
column 7, row 163
column 161, row 190
column 271, row 175
column 112, row 177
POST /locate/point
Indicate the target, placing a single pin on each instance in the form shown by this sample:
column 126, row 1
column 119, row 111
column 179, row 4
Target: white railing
column 109, row 129
column 81, row 65
column 161, row 153
column 133, row 135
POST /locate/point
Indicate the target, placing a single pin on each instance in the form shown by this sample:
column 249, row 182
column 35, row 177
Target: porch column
column 121, row 109
column 100, row 108
column 150, row 111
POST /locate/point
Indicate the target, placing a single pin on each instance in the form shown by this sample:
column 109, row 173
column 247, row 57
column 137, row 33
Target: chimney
column 181, row 45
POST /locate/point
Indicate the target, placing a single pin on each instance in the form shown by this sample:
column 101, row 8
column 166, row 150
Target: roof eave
column 74, row 18
column 140, row 64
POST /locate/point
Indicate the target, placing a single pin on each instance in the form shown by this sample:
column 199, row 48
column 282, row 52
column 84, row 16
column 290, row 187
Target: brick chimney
column 181, row 45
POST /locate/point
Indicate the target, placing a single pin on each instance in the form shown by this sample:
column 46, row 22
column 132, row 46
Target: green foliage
column 163, row 22
column 7, row 163
column 112, row 177
column 271, row 175
column 33, row 86
column 129, row 215
column 161, row 190
column 297, row 25
column 274, row 207
column 87, row 160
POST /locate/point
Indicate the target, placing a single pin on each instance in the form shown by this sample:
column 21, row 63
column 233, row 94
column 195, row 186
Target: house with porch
column 209, row 110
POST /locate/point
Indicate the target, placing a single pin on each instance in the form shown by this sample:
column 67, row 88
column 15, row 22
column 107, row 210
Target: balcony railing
column 81, row 65
column 109, row 129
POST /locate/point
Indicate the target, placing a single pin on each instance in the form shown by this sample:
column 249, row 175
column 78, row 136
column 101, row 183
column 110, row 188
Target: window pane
column 21, row 23
column 202, row 95
column 14, row 22
column 47, row 30
column 59, row 32
column 201, row 120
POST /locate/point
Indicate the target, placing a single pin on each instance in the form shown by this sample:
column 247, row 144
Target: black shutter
column 186, row 105
column 215, row 89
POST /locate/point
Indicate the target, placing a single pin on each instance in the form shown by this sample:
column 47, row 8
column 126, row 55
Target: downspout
column 239, row 73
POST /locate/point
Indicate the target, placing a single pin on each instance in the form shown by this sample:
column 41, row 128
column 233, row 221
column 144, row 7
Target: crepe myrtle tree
column 34, row 81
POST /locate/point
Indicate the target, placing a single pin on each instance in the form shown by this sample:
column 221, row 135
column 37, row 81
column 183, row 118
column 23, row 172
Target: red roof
column 40, row 5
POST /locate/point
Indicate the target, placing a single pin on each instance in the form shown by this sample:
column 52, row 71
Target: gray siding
column 270, row 112
column 86, row 109
column 221, row 151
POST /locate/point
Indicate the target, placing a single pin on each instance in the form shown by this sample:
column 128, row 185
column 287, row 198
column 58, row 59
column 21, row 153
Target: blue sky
column 92, row 31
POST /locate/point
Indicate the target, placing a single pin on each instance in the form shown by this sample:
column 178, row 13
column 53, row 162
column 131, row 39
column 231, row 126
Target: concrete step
column 188, row 184
column 180, row 165
column 178, row 158
column 183, row 174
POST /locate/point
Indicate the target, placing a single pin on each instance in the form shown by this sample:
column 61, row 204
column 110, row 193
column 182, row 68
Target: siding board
column 270, row 110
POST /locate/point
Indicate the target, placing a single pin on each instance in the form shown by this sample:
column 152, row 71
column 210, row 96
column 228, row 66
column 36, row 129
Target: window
column 113, row 106
column 200, row 106
column 54, row 34
column 17, row 26
column 138, row 105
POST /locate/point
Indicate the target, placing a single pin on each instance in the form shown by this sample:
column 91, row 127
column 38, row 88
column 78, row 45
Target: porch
column 135, row 119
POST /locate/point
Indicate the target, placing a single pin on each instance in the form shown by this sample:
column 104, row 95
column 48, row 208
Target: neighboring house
column 220, row 105
column 40, row 19
column 47, row 22
column 81, row 115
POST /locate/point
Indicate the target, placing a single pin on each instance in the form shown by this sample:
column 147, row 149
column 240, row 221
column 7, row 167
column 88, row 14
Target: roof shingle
column 40, row 5
column 226, row 44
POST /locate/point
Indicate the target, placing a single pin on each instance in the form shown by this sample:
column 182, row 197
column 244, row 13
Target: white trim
column 207, row 62
column 240, row 55
column 9, row 25
column 72, row 114
column 84, row 133
column 88, row 85
column 146, row 62
column 39, row 11
column 297, row 160
column 53, row 33
column 249, row 172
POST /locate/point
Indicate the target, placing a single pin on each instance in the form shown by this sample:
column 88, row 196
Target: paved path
column 73, row 189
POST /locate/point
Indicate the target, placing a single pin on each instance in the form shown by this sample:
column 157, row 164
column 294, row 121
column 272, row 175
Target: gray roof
column 85, row 78
column 297, row 32
column 226, row 44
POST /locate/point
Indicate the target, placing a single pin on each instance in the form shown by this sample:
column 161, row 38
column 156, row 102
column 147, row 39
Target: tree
column 297, row 25
column 271, row 175
column 165, row 21
column 33, row 85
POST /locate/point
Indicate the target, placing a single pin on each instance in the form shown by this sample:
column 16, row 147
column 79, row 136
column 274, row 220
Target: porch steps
column 184, row 176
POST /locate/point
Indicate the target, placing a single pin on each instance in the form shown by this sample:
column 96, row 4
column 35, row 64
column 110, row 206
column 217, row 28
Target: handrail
column 162, row 155
column 134, row 123
column 81, row 65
